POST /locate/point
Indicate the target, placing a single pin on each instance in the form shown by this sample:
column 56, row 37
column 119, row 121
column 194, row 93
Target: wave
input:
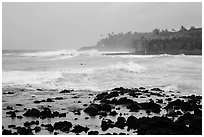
column 73, row 75
column 63, row 52
column 129, row 67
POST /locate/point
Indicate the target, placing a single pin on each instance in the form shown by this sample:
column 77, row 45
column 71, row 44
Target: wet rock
column 156, row 94
column 122, row 133
column 156, row 108
column 179, row 112
column 12, row 114
column 106, row 123
column 56, row 114
column 10, row 108
column 32, row 113
column 62, row 115
column 171, row 114
column 6, row 132
column 56, row 133
column 93, row 133
column 85, row 105
column 49, row 100
column 46, row 113
column 92, row 109
column 159, row 101
column 63, row 126
column 19, row 105
column 105, row 107
column 124, row 100
column 148, row 111
column 86, row 118
column 11, row 126
column 112, row 94
column 156, row 89
column 59, row 98
column 24, row 131
column 101, row 96
column 113, row 113
column 196, row 125
column 197, row 111
column 169, row 99
column 27, row 123
column 37, row 102
column 19, row 117
column 78, row 129
column 154, row 125
column 9, row 92
column 141, row 88
column 121, row 122
column 75, row 97
column 50, row 128
column 37, row 129
column 132, row 122
column 134, row 107
column 66, row 91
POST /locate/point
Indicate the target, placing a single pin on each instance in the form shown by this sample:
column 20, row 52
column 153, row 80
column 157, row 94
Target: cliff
column 184, row 41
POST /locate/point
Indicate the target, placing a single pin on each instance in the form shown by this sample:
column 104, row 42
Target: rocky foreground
column 118, row 111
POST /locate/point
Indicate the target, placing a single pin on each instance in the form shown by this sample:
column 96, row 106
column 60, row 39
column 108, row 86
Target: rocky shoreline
column 119, row 111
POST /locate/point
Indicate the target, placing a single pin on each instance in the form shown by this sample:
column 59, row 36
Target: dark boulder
column 134, row 107
column 19, row 117
column 24, row 131
column 105, row 107
column 132, row 122
column 106, row 123
column 37, row 129
column 121, row 122
column 59, row 98
column 124, row 100
column 46, row 113
column 49, row 100
column 11, row 126
column 12, row 114
column 156, row 108
column 6, row 132
column 101, row 96
column 156, row 89
column 113, row 113
column 63, row 126
column 49, row 128
column 93, row 133
column 32, row 113
column 92, row 109
column 66, row 91
column 78, row 129
column 62, row 115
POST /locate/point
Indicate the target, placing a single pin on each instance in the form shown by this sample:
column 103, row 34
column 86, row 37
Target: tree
column 183, row 28
column 192, row 28
column 155, row 31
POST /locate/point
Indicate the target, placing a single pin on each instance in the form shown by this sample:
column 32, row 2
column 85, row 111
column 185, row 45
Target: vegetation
column 158, row 41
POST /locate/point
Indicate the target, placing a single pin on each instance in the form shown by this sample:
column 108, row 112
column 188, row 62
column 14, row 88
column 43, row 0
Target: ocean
column 96, row 71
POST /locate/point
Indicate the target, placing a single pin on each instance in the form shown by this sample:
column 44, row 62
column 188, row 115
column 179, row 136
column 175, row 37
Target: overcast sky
column 73, row 25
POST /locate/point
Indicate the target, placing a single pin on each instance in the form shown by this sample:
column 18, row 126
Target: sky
column 55, row 26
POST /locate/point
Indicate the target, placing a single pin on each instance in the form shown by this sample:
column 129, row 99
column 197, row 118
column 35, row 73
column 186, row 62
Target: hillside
column 184, row 41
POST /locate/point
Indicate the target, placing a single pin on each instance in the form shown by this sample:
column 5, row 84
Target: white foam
column 128, row 66
column 29, row 77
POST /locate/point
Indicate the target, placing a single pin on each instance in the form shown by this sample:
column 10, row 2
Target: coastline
column 41, row 111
